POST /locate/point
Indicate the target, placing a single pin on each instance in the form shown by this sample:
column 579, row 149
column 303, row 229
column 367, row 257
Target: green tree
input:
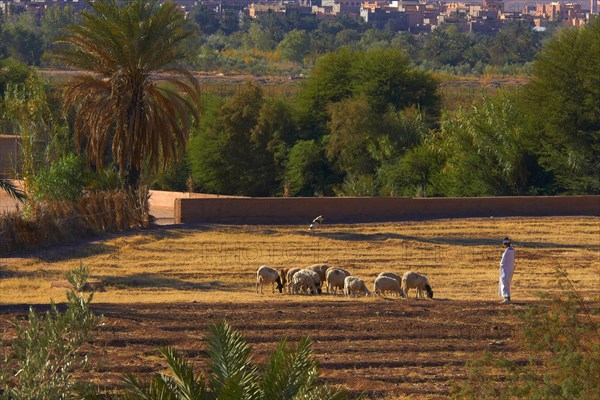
column 206, row 18
column 12, row 72
column 295, row 46
column 259, row 38
column 329, row 81
column 289, row 374
column 412, row 173
column 307, row 170
column 134, row 97
column 386, row 79
column 31, row 113
column 487, row 150
column 229, row 155
column 54, row 22
column 563, row 99
column 276, row 132
column 353, row 126
column 446, row 46
column 23, row 39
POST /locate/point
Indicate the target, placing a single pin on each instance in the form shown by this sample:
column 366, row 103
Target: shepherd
column 507, row 268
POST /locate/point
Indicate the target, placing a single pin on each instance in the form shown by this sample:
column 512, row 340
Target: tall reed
column 44, row 223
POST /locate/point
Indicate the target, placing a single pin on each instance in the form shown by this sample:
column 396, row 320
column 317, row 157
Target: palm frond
column 187, row 386
column 129, row 48
column 288, row 372
column 233, row 376
column 12, row 190
column 156, row 389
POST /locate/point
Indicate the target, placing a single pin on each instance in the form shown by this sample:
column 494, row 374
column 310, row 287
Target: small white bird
column 317, row 221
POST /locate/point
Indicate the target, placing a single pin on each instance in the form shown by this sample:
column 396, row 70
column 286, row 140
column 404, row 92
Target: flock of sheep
column 310, row 280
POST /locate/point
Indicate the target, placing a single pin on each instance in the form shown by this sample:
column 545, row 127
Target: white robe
column 507, row 268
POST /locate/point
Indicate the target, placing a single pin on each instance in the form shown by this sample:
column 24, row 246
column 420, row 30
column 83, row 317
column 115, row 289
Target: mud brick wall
column 366, row 209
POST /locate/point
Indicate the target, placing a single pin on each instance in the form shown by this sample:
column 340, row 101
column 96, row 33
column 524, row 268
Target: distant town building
column 484, row 16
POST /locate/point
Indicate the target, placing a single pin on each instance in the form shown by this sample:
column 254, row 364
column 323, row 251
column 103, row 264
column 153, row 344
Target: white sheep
column 320, row 269
column 306, row 280
column 395, row 276
column 391, row 275
column 289, row 275
column 335, row 279
column 354, row 285
column 266, row 275
column 413, row 280
column 384, row 284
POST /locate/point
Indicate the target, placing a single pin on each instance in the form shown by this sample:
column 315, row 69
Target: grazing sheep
column 283, row 276
column 266, row 275
column 317, row 221
column 384, row 284
column 288, row 276
column 335, row 279
column 413, row 280
column 391, row 275
column 306, row 280
column 353, row 285
column 320, row 269
column 395, row 276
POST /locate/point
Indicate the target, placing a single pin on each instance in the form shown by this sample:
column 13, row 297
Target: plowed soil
column 385, row 348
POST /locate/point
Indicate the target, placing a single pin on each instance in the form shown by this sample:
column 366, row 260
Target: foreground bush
column 49, row 222
column 47, row 350
column 290, row 373
column 562, row 337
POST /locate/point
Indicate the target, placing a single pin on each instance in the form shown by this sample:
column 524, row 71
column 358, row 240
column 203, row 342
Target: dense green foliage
column 487, row 151
column 561, row 336
column 564, row 97
column 369, row 123
column 64, row 179
column 290, row 373
column 355, row 111
column 367, row 120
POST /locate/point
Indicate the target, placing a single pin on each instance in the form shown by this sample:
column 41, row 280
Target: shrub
column 46, row 352
column 64, row 180
column 562, row 336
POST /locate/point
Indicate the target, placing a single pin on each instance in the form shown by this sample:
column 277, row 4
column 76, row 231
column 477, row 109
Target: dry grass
column 217, row 263
column 52, row 222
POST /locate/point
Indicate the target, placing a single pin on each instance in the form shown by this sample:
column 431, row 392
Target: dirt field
column 165, row 286
column 386, row 348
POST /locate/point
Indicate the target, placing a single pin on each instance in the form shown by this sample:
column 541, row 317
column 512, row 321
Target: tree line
column 363, row 123
column 370, row 124
column 291, row 42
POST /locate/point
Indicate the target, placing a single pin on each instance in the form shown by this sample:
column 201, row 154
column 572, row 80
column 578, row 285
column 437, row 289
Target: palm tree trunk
column 132, row 178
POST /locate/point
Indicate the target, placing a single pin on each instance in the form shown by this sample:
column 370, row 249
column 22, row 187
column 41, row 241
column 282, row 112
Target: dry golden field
column 164, row 287
column 218, row 263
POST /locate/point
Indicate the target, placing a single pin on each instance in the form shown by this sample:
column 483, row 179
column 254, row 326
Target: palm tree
column 290, row 373
column 131, row 92
column 11, row 189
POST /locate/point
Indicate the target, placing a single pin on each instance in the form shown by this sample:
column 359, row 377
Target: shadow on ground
column 450, row 241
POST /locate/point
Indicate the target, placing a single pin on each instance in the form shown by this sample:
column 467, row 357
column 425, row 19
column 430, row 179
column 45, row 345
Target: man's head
column 506, row 242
